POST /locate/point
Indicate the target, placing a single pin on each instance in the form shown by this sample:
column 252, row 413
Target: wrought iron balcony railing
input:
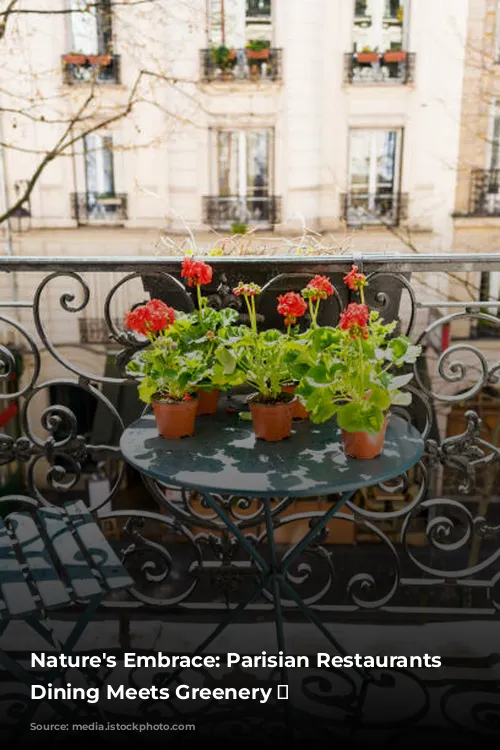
column 420, row 549
column 454, row 383
column 80, row 68
column 91, row 207
column 485, row 192
column 242, row 65
column 373, row 68
column 223, row 211
column 359, row 209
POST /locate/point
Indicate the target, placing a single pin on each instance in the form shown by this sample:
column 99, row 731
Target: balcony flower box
column 102, row 60
column 395, row 56
column 367, row 57
column 258, row 54
column 75, row 59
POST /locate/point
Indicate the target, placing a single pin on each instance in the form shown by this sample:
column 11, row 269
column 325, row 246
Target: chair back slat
column 98, row 548
column 51, row 589
column 72, row 559
column 16, row 593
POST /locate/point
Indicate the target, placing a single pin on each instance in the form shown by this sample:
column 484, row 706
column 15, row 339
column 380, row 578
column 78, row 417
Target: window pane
column 495, row 140
column 360, row 155
column 83, row 28
column 258, row 8
column 386, row 156
column 258, row 162
column 227, row 158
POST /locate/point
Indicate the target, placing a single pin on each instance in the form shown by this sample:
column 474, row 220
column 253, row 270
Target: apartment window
column 380, row 25
column 374, row 176
column 99, row 171
column 489, row 291
column 242, row 176
column 236, row 22
column 494, row 147
column 100, row 202
column 91, row 27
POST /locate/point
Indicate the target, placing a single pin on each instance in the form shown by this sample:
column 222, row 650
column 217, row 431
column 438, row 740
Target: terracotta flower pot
column 175, row 420
column 208, row 401
column 102, row 60
column 395, row 56
column 299, row 411
column 75, row 59
column 272, row 422
column 258, row 54
column 367, row 57
column 363, row 444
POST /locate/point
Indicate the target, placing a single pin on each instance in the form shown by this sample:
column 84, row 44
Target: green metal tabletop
column 225, row 457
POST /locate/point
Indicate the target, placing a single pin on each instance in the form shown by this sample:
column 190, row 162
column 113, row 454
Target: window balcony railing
column 368, row 68
column 79, row 68
column 224, row 211
column 485, row 192
column 242, row 65
column 359, row 208
column 89, row 208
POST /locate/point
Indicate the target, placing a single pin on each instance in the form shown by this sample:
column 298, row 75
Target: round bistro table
column 224, row 457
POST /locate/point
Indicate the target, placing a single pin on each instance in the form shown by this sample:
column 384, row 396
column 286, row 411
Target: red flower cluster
column 354, row 280
column 151, row 318
column 196, row 272
column 355, row 320
column 249, row 290
column 292, row 306
column 318, row 288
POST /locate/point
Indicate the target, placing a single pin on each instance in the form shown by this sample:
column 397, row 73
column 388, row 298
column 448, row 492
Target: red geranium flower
column 292, row 306
column 318, row 288
column 153, row 317
column 196, row 272
column 354, row 280
column 355, row 320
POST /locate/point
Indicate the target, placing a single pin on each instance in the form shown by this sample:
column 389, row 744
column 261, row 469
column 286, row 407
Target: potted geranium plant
column 317, row 290
column 199, row 332
column 355, row 376
column 224, row 59
column 258, row 49
column 259, row 359
column 168, row 375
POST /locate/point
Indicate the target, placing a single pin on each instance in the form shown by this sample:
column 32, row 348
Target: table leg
column 280, row 633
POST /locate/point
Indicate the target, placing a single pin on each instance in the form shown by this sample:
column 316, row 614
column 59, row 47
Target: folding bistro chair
column 53, row 558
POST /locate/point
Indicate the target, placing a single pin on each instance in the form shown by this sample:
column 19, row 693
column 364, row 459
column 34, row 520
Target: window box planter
column 395, row 56
column 102, row 60
column 258, row 54
column 75, row 59
column 367, row 57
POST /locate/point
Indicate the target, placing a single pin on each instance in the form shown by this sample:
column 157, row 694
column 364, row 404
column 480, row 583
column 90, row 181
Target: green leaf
column 147, row 390
column 324, row 338
column 379, row 397
column 227, row 359
column 400, row 381
column 400, row 398
column 355, row 417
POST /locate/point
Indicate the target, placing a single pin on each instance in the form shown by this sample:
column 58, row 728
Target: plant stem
column 288, row 328
column 362, row 295
column 316, row 313
column 254, row 316
column 200, row 301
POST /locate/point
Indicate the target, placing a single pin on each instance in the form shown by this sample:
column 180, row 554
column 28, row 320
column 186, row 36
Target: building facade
column 342, row 116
